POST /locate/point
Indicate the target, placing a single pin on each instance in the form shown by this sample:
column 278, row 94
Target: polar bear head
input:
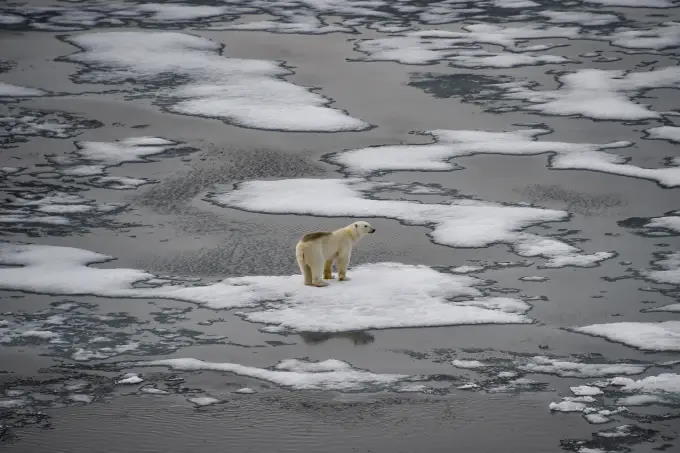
column 362, row 228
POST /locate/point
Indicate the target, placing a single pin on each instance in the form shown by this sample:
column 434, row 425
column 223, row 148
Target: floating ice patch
column 665, row 36
column 642, row 400
column 129, row 379
column 542, row 364
column 662, row 383
column 585, row 390
column 134, row 149
column 650, row 336
column 667, row 269
column 586, row 18
column 567, row 406
column 468, row 364
column 634, row 3
column 451, row 144
column 22, row 123
column 671, row 133
column 460, row 223
column 370, row 300
column 297, row 374
column 245, row 391
column 249, row 93
column 201, row 401
column 9, row 90
column 430, row 46
column 597, row 93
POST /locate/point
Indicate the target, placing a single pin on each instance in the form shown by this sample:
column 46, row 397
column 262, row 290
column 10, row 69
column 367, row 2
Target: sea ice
column 296, row 374
column 542, row 364
column 567, row 406
column 579, row 17
column 665, row 36
column 459, row 223
column 469, row 364
column 204, row 82
column 585, row 390
column 667, row 269
column 370, row 300
column 201, row 401
column 650, row 336
column 430, row 46
column 451, row 144
column 671, row 133
column 130, row 378
column 597, row 93
column 662, row 383
column 9, row 90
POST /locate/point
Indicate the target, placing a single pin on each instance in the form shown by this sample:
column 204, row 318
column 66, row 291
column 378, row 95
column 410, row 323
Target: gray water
column 169, row 228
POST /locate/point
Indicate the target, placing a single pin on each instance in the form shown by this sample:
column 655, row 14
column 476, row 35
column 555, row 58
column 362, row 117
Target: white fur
column 315, row 257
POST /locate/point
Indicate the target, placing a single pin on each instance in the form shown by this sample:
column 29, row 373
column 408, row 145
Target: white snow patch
column 665, row 36
column 370, row 300
column 585, row 390
column 641, row 400
column 451, row 144
column 586, row 18
column 466, row 269
column 133, row 149
column 40, row 334
column 245, row 391
column 634, row 3
column 650, row 336
column 81, row 398
column 671, row 133
column 468, row 364
column 201, row 401
column 662, row 383
column 244, row 92
column 429, row 46
column 542, row 364
column 567, row 406
column 297, row 374
column 130, row 378
column 9, row 90
column 460, row 223
column 596, row 93
column 668, row 269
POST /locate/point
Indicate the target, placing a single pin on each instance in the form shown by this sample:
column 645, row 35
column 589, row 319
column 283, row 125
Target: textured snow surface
column 9, row 90
column 451, row 144
column 297, row 374
column 381, row 295
column 651, row 336
column 460, row 223
column 597, row 93
column 542, row 364
column 244, row 92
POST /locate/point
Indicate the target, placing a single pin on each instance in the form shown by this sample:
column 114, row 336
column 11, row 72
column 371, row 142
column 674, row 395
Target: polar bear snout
column 372, row 230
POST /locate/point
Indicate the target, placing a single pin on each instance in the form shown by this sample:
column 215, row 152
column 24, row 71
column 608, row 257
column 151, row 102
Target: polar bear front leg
column 343, row 262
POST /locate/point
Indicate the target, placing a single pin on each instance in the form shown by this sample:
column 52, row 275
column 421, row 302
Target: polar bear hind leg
column 328, row 270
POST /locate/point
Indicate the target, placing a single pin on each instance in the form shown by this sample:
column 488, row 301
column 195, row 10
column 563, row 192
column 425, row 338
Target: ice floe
column 9, row 90
column 542, row 364
column 460, row 223
column 21, row 123
column 451, row 144
column 370, row 300
column 586, row 18
column 662, row 383
column 671, row 133
column 201, row 401
column 666, row 35
column 567, row 406
column 297, row 374
column 130, row 379
column 245, row 92
column 430, row 46
column 651, row 336
column 597, row 93
column 667, row 269
column 585, row 390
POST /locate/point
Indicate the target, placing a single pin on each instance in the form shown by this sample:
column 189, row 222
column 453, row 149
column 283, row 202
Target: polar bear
column 315, row 252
